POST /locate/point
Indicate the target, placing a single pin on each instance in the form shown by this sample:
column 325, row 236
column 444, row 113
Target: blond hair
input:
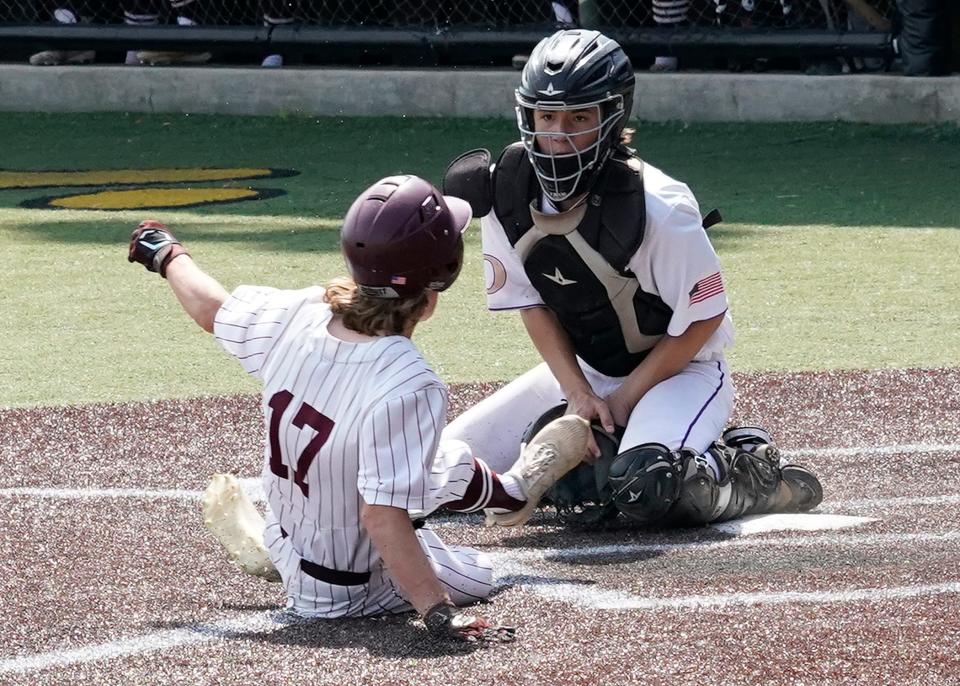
column 373, row 316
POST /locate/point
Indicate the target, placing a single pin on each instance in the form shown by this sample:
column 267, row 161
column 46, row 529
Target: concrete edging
column 467, row 93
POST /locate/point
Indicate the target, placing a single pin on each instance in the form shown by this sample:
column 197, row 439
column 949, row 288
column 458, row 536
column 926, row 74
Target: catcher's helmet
column 571, row 70
column 402, row 236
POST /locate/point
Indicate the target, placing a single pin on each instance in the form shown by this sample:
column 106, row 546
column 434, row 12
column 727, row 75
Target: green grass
column 840, row 247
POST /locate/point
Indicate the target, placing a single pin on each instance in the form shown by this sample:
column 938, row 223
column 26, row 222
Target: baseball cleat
column 233, row 520
column 556, row 449
column 806, row 491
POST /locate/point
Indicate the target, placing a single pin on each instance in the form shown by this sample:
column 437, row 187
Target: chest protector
column 577, row 260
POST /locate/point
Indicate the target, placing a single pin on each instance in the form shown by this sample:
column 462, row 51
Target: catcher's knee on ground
column 645, row 481
column 701, row 496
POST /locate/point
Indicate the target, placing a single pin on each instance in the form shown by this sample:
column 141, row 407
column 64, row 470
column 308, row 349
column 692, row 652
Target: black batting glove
column 153, row 246
column 448, row 622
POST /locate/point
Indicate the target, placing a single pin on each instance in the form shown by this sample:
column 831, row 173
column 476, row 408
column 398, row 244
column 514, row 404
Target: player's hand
column 154, row 246
column 620, row 406
column 446, row 621
column 592, row 408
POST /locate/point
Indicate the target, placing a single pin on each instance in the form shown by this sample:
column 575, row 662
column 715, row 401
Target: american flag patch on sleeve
column 706, row 287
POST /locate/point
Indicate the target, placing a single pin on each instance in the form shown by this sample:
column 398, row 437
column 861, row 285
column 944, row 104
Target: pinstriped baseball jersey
column 346, row 423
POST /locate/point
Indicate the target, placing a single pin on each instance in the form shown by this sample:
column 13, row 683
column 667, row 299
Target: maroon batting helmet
column 402, row 236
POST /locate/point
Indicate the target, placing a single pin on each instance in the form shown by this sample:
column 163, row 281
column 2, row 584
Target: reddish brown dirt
column 76, row 573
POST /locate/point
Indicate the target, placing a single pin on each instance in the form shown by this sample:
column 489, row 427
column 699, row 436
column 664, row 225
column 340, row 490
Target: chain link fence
column 465, row 32
column 496, row 14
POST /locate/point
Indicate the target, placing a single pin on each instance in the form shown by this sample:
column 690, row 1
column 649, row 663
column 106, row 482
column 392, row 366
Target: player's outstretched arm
column 155, row 247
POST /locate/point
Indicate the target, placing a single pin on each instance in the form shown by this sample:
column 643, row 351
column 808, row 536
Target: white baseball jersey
column 676, row 262
column 346, row 423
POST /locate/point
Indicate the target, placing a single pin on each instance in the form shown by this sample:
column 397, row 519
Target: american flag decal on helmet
column 398, row 280
column 706, row 287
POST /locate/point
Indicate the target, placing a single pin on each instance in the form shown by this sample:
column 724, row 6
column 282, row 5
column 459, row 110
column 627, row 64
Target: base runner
column 353, row 416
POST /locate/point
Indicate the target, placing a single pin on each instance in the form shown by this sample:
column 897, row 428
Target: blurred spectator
column 924, row 38
column 69, row 13
column 669, row 14
column 741, row 13
column 862, row 16
column 559, row 12
column 277, row 13
column 147, row 13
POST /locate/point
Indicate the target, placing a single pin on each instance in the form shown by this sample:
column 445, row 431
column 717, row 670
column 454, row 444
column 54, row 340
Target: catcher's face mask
column 565, row 143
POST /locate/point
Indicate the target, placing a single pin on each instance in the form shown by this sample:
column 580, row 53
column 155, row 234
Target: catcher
column 608, row 262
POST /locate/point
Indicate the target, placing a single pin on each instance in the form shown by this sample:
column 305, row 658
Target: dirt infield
column 107, row 577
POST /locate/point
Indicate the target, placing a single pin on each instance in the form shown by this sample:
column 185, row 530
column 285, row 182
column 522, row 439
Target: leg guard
column 802, row 491
column 645, row 481
column 701, row 498
column 751, row 479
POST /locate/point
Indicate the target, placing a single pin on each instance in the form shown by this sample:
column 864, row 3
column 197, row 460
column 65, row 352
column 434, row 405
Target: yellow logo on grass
column 144, row 194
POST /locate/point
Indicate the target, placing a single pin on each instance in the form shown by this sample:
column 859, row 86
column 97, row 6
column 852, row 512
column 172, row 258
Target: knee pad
column 701, row 497
column 644, row 481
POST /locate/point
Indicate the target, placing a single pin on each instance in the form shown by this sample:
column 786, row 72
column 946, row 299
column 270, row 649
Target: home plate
column 758, row 524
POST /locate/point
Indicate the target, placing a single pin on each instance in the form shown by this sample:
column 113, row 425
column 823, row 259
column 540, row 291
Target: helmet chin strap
column 571, row 203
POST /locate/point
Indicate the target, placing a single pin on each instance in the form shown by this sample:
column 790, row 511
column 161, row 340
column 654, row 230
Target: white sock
column 512, row 486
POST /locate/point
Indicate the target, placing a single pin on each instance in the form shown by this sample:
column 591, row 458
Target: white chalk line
column 625, row 549
column 514, row 570
column 97, row 493
column 244, row 625
column 901, row 449
column 587, row 596
column 252, row 486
